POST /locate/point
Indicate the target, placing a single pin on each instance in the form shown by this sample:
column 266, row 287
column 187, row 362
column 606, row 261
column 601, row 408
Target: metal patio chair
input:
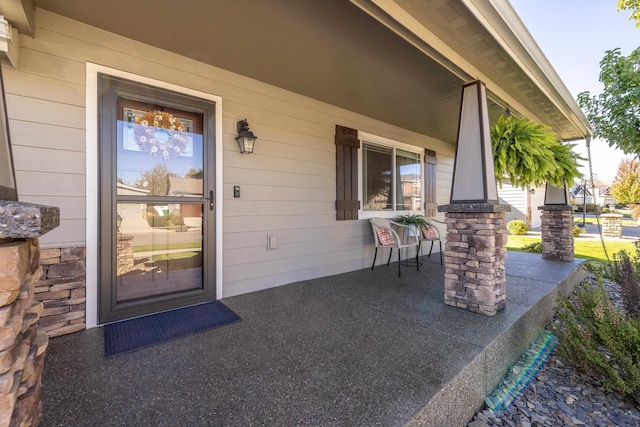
column 389, row 234
column 429, row 233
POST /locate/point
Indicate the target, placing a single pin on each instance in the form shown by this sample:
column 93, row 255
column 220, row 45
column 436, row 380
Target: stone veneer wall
column 474, row 261
column 62, row 289
column 22, row 344
column 557, row 232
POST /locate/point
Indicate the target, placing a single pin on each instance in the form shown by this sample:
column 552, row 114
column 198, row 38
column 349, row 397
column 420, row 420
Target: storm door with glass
column 157, row 201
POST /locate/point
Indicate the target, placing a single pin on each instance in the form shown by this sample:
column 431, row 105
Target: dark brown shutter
column 430, row 164
column 347, row 145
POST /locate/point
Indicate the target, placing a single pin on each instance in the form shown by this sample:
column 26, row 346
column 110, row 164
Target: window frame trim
column 364, row 137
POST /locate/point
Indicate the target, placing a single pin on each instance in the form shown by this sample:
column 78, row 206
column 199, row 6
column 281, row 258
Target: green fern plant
column 528, row 153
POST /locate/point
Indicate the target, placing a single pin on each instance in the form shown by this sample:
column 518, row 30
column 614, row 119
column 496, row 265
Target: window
column 392, row 177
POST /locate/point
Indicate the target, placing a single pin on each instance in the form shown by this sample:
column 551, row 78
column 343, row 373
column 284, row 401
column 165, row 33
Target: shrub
column 635, row 211
column 575, row 232
column 517, row 227
column 155, row 220
column 598, row 339
column 625, row 270
column 590, row 207
column 535, row 247
column 176, row 219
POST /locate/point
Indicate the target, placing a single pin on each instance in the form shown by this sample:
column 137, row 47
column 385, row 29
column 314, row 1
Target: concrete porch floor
column 359, row 349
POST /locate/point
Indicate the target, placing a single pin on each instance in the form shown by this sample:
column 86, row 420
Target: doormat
column 135, row 334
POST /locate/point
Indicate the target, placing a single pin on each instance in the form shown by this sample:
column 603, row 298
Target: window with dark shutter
column 347, row 145
column 430, row 164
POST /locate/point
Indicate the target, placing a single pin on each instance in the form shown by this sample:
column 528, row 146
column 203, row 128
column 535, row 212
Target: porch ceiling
column 331, row 50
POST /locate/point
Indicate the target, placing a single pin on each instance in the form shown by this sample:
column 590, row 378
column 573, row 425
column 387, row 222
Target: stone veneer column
column 22, row 343
column 474, row 257
column 557, row 232
column 125, row 262
column 611, row 225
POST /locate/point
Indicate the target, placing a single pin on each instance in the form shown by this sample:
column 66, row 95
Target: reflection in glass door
column 159, row 156
column 157, row 194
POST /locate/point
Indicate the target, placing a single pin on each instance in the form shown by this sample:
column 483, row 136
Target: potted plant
column 415, row 221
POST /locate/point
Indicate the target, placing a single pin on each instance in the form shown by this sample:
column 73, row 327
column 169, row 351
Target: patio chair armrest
column 430, row 220
column 411, row 235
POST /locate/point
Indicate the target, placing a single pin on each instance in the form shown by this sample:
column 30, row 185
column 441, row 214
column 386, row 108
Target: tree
column 615, row 113
column 194, row 173
column 626, row 185
column 528, row 153
column 634, row 7
column 155, row 180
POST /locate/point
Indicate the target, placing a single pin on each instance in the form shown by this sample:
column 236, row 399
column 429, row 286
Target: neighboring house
column 524, row 203
column 581, row 194
column 603, row 194
column 355, row 105
column 599, row 195
column 191, row 186
column 132, row 211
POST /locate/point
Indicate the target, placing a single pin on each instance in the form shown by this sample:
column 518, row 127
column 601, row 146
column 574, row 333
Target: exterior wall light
column 246, row 139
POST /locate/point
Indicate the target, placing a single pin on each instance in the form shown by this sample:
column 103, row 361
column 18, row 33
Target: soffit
column 520, row 77
column 329, row 50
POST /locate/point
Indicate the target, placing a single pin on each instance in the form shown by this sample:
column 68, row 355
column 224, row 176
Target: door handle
column 211, row 200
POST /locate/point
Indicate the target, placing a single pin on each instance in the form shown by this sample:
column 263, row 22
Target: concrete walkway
column 358, row 349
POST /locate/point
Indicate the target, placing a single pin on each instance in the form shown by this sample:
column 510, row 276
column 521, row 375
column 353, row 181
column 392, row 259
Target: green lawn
column 174, row 256
column 626, row 222
column 181, row 245
column 584, row 247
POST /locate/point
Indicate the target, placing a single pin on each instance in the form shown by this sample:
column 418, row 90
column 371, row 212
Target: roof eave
column 502, row 21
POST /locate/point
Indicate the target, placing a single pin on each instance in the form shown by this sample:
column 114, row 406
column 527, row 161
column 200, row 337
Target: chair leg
column 399, row 263
column 374, row 258
column 417, row 260
column 431, row 249
column 440, row 251
column 390, row 253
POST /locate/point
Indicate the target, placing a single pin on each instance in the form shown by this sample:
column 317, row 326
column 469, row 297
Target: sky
column 574, row 35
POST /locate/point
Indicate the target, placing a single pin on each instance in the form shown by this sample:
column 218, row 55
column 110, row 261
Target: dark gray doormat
column 135, row 334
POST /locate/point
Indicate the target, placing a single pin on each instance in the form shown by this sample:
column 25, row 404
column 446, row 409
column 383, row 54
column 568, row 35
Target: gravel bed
column 561, row 396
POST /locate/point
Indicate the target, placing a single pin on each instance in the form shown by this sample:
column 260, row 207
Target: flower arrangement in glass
column 160, row 135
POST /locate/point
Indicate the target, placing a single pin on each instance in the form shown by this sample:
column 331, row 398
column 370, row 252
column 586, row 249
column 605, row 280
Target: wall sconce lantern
column 118, row 222
column 246, row 139
column 532, row 191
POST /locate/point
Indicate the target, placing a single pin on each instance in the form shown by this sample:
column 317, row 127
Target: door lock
column 211, row 200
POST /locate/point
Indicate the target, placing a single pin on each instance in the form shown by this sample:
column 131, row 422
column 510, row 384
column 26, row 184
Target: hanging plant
column 528, row 153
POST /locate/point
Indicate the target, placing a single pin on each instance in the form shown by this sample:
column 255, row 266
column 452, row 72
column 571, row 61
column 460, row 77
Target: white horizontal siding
column 516, row 197
column 30, row 134
column 287, row 185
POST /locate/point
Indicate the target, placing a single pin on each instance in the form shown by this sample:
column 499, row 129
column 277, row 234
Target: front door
column 157, row 180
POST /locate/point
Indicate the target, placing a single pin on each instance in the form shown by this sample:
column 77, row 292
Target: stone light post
column 557, row 224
